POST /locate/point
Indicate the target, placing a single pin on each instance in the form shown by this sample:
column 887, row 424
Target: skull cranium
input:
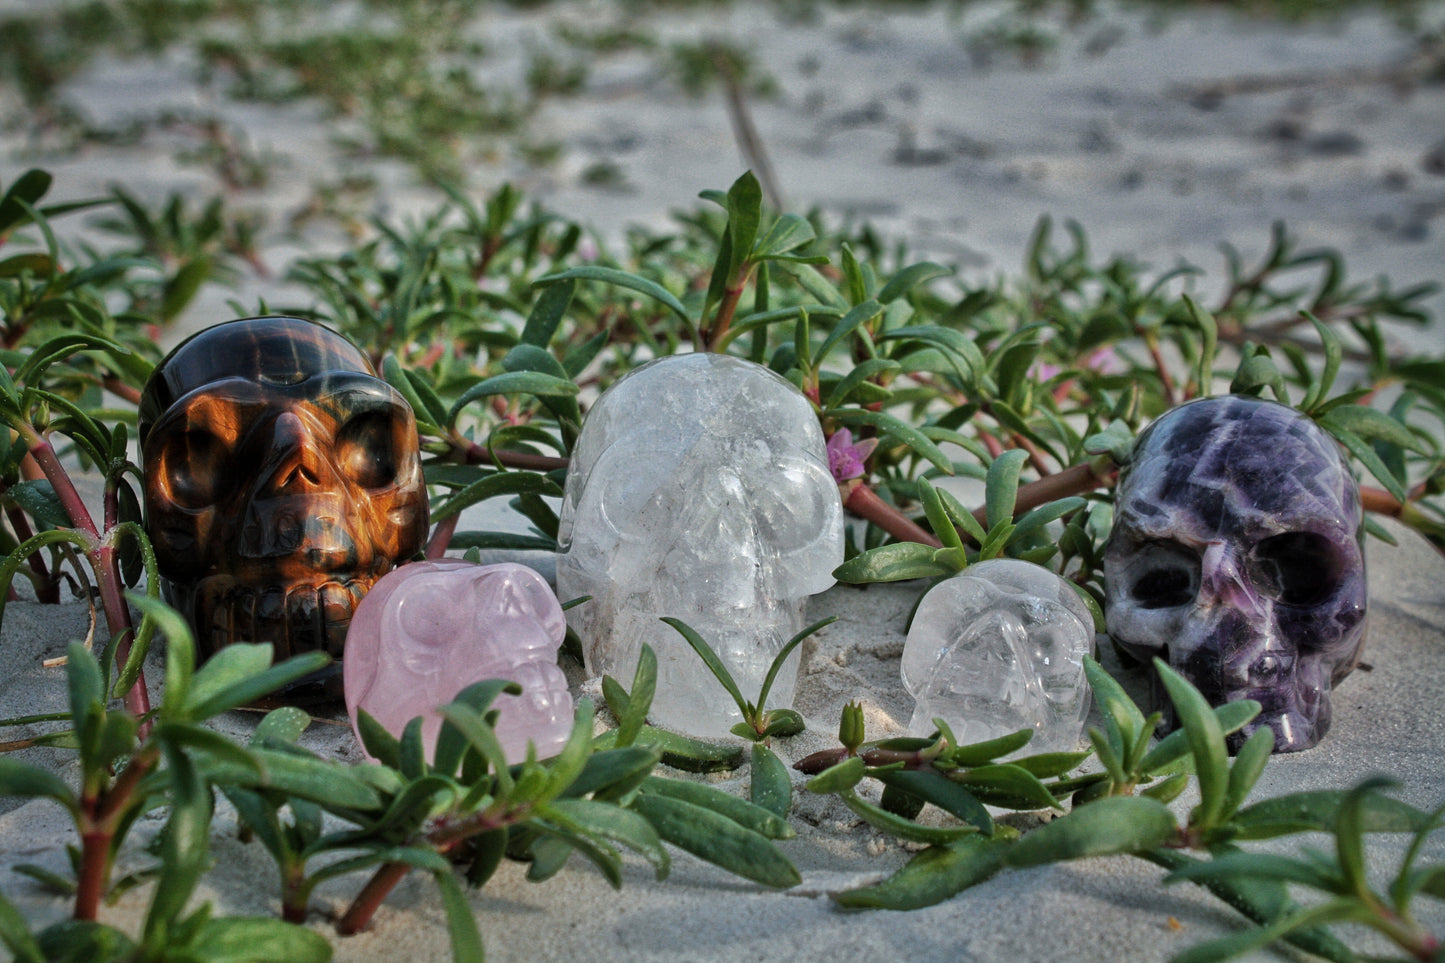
column 429, row 629
column 997, row 648
column 282, row 478
column 699, row 489
column 1236, row 555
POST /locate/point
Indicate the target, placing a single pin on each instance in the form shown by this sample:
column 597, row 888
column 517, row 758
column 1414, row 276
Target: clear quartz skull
column 698, row 489
column 998, row 648
column 1236, row 557
column 429, row 629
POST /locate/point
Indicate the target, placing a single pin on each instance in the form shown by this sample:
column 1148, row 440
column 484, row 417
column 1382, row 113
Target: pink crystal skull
column 430, row 629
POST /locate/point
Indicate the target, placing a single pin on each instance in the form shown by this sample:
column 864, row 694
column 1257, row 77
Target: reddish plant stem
column 1380, row 502
column 436, row 546
column 121, row 390
column 1166, row 382
column 825, row 759
column 295, row 895
column 473, row 454
column 490, row 246
column 726, row 308
column 865, row 503
column 110, row 504
column 70, row 500
column 372, row 895
column 1036, row 457
column 94, row 870
column 103, row 558
column 444, row 838
column 111, row 587
column 820, row 761
column 99, row 814
column 1074, row 480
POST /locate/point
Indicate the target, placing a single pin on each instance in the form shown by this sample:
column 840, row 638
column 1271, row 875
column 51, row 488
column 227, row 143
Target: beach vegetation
column 498, row 319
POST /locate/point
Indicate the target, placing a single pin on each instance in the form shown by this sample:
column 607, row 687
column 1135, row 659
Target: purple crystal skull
column 430, row 629
column 1236, row 555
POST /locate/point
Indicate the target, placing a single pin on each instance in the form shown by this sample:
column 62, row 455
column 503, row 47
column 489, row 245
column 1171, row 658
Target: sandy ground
column 887, row 118
column 1387, row 720
column 1163, row 138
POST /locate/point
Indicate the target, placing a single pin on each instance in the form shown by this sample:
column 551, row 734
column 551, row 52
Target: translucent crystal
column 429, row 629
column 698, row 489
column 999, row 648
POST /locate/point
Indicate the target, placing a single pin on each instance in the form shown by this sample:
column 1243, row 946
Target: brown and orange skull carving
column 282, row 479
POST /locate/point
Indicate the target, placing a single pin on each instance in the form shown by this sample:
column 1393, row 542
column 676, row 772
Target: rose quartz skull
column 430, row 629
column 1236, row 556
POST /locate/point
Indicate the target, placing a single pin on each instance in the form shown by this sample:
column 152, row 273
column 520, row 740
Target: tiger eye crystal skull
column 1236, row 556
column 282, row 479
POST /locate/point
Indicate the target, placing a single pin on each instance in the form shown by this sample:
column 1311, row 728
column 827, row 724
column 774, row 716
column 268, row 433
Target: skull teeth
column 293, row 618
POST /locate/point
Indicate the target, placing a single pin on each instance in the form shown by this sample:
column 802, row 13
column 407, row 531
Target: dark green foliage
column 1109, row 818
column 1034, row 387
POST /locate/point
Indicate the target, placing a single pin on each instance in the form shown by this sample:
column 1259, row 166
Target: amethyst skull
column 1236, row 556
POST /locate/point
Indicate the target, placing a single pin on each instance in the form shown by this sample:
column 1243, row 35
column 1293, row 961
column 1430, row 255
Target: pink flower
column 845, row 459
column 1043, row 371
column 1104, row 361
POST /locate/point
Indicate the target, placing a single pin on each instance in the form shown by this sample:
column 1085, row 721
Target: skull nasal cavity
column 293, row 452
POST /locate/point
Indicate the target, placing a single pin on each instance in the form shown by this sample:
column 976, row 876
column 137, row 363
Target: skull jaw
column 293, row 616
column 688, row 698
column 1296, row 708
column 1297, row 711
column 1293, row 730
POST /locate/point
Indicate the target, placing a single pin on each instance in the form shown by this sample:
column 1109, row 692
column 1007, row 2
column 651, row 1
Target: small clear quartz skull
column 282, row 478
column 698, row 489
column 1236, row 557
column 998, row 648
column 429, row 629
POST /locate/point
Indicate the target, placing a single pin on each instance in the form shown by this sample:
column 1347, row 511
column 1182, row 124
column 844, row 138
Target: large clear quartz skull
column 698, row 489
column 997, row 648
column 429, row 629
column 282, row 478
column 1236, row 556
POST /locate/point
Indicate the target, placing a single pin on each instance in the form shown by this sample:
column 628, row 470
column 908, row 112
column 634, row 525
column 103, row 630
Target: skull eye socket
column 1167, row 576
column 196, row 468
column 1295, row 568
column 365, row 450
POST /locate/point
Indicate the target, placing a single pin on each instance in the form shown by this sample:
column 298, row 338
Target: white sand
column 1104, row 138
column 1387, row 720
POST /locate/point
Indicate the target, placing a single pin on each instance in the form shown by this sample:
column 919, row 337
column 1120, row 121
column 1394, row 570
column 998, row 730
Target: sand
column 889, row 119
column 1387, row 720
